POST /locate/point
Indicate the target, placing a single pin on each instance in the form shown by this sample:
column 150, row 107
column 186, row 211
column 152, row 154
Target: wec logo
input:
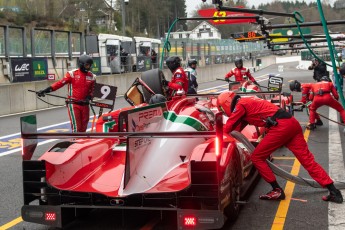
column 23, row 67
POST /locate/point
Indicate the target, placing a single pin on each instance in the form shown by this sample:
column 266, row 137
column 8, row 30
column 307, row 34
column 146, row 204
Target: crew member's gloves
column 303, row 106
column 42, row 92
column 165, row 82
column 88, row 99
column 227, row 79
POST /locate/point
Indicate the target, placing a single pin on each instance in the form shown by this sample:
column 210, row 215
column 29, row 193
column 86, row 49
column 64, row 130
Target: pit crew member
column 323, row 93
column 179, row 79
column 305, row 89
column 81, row 83
column 320, row 69
column 239, row 72
column 191, row 75
column 282, row 130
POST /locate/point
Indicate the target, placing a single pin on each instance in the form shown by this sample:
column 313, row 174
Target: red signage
column 212, row 12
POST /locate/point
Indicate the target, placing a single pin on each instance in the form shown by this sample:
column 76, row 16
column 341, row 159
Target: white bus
column 110, row 52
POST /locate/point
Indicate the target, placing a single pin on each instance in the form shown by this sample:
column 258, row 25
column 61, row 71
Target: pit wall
column 15, row 97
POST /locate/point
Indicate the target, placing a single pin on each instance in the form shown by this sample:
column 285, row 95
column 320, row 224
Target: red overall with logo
column 178, row 81
column 287, row 132
column 239, row 74
column 80, row 86
column 321, row 95
column 306, row 89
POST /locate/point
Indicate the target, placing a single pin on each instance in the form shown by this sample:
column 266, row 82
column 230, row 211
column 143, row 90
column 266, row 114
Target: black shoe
column 334, row 196
column 311, row 126
column 319, row 122
column 275, row 194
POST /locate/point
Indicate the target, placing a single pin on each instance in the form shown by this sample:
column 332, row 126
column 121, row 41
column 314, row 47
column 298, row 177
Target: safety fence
column 324, row 54
column 38, row 54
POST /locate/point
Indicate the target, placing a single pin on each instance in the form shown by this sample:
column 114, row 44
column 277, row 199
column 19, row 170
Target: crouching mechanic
column 323, row 93
column 191, row 75
column 239, row 72
column 81, row 84
column 305, row 88
column 179, row 79
column 282, row 130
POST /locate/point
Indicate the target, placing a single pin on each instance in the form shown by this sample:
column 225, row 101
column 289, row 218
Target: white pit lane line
column 336, row 212
column 39, row 144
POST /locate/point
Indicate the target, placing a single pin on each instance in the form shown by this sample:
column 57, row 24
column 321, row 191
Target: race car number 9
column 105, row 91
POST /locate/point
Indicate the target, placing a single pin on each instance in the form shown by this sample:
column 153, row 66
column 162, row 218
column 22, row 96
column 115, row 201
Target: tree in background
column 153, row 16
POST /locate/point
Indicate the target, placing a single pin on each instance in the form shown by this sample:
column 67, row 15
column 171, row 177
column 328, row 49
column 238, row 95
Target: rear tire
column 153, row 79
column 232, row 211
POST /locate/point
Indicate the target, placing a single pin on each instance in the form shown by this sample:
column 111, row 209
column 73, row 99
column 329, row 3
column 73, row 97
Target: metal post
column 123, row 18
column 25, row 52
column 7, row 41
column 33, row 41
column 331, row 53
column 70, row 45
column 53, row 48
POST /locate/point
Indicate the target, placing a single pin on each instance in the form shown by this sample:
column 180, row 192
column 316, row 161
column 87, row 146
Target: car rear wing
column 30, row 138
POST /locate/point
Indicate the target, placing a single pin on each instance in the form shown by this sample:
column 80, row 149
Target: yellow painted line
column 11, row 224
column 284, row 158
column 279, row 220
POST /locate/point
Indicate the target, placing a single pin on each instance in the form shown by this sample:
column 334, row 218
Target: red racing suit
column 80, row 86
column 239, row 74
column 321, row 95
column 305, row 88
column 178, row 81
column 287, row 132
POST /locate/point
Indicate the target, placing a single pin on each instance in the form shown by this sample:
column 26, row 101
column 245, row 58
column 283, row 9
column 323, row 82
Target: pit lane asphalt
column 305, row 210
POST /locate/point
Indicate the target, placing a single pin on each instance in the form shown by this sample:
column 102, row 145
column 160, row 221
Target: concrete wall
column 15, row 97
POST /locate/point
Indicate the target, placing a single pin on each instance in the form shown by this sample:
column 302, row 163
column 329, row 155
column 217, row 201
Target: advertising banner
column 29, row 69
column 40, row 69
column 96, row 66
column 143, row 63
column 21, row 69
column 212, row 12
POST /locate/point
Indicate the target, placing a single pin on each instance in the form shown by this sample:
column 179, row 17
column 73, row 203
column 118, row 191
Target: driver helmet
column 238, row 62
column 173, row 63
column 295, row 86
column 226, row 102
column 157, row 98
column 83, row 60
column 192, row 62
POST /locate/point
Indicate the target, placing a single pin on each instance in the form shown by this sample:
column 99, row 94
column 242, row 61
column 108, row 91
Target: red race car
column 168, row 156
